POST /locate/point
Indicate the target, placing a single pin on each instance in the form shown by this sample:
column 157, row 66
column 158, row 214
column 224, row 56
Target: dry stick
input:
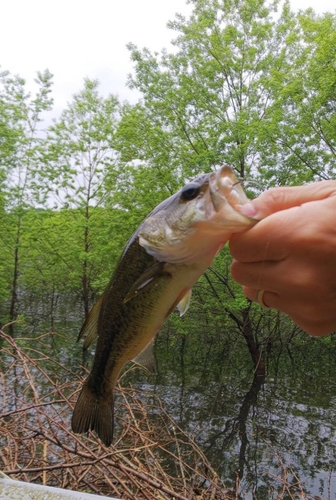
column 118, row 479
column 3, row 392
column 157, row 485
column 31, row 407
column 92, row 486
column 62, row 465
column 283, row 480
column 4, row 459
column 23, row 355
column 81, row 455
column 190, row 440
column 136, row 484
column 190, row 467
column 45, row 456
column 126, row 469
column 180, row 461
column 152, row 443
column 85, row 471
column 213, row 494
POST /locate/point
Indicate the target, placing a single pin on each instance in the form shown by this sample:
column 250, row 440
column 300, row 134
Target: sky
column 75, row 39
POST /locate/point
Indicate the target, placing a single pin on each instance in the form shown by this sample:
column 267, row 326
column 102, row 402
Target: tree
column 20, row 161
column 308, row 101
column 80, row 154
column 208, row 101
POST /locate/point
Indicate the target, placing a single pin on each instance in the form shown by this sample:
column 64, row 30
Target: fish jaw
column 225, row 183
column 187, row 234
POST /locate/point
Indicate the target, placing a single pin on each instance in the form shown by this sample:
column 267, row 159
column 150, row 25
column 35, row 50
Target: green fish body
column 157, row 270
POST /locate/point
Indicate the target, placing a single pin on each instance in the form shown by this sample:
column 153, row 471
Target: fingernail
column 248, row 209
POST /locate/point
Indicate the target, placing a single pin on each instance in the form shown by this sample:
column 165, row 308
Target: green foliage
column 21, row 146
column 80, row 149
column 80, row 155
column 301, row 121
column 20, row 153
column 53, row 255
column 249, row 83
column 208, row 102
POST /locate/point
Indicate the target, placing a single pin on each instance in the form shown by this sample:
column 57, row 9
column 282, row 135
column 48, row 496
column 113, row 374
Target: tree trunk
column 85, row 279
column 252, row 344
column 13, row 302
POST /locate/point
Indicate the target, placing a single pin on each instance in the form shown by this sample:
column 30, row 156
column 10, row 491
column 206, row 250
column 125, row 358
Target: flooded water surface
column 252, row 427
column 254, row 430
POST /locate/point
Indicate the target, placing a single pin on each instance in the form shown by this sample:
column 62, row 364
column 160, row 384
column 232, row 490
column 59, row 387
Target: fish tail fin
column 93, row 413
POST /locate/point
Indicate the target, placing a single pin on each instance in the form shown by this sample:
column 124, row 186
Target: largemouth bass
column 160, row 264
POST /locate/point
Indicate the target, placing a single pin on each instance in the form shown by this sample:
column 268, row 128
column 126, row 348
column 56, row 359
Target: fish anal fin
column 93, row 413
column 146, row 358
column 184, row 303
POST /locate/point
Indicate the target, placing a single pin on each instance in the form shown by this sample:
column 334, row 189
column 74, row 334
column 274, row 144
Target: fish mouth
column 226, row 191
column 188, row 232
column 225, row 200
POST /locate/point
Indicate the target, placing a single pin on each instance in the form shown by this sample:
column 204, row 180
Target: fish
column 160, row 264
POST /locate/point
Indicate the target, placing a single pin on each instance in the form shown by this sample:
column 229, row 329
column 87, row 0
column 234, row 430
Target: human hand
column 291, row 254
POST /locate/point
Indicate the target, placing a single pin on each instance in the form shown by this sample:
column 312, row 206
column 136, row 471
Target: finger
column 257, row 275
column 282, row 198
column 294, row 280
column 269, row 299
column 262, row 242
column 315, row 319
column 319, row 328
column 285, row 232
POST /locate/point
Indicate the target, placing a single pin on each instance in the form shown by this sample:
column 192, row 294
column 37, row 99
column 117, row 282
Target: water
column 254, row 431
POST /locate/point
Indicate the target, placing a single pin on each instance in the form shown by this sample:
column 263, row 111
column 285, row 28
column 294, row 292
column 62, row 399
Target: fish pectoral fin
column 89, row 329
column 146, row 358
column 184, row 303
column 149, row 277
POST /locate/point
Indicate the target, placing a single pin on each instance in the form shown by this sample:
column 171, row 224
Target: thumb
column 281, row 198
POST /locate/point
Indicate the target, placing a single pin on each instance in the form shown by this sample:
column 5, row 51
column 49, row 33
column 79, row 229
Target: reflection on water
column 252, row 430
column 251, row 427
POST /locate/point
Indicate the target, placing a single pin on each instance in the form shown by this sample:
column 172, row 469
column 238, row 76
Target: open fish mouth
column 225, row 188
column 209, row 208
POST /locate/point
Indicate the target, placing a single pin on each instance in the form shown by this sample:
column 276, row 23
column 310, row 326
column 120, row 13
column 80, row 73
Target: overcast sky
column 81, row 38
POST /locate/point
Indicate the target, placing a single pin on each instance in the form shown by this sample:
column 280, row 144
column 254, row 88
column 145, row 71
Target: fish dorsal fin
column 146, row 358
column 149, row 277
column 89, row 329
column 184, row 303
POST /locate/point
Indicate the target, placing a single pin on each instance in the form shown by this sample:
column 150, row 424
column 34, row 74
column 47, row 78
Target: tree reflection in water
column 255, row 429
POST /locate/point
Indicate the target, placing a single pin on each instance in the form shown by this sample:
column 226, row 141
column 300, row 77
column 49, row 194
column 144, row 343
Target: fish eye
column 190, row 192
